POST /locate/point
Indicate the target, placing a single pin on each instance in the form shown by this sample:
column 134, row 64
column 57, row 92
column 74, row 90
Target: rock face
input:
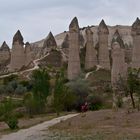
column 49, row 44
column 17, row 53
column 53, row 60
column 28, row 54
column 65, row 44
column 4, row 53
column 90, row 59
column 119, row 67
column 74, row 48
column 103, row 33
column 136, row 44
column 4, row 58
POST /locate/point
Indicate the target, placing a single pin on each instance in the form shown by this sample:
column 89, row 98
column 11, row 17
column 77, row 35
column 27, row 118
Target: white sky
column 35, row 18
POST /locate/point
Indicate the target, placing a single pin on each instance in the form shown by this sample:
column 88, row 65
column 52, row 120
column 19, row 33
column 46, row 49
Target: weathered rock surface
column 103, row 33
column 119, row 67
column 53, row 60
column 4, row 58
column 90, row 59
column 74, row 49
column 17, row 53
column 49, row 44
column 136, row 44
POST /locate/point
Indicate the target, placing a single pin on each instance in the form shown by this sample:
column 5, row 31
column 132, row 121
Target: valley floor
column 96, row 125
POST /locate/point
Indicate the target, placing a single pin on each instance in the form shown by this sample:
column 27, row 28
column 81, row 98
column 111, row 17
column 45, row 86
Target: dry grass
column 101, row 125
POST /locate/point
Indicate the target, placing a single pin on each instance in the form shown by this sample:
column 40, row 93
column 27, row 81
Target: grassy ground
column 99, row 125
column 27, row 122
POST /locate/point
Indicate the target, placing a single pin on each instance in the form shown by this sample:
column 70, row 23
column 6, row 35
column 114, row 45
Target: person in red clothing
column 84, row 108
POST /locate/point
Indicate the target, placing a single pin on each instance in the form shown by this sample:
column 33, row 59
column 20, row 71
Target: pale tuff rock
column 103, row 33
column 18, row 38
column 4, row 57
column 4, row 53
column 118, row 39
column 28, row 54
column 65, row 44
column 74, row 49
column 119, row 67
column 90, row 59
column 17, row 53
column 136, row 44
column 20, row 56
column 49, row 44
column 53, row 59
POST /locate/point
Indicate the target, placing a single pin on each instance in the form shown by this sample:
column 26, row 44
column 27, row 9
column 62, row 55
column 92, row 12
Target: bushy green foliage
column 35, row 102
column 81, row 90
column 12, row 121
column 63, row 97
column 7, row 113
column 20, row 90
column 95, row 102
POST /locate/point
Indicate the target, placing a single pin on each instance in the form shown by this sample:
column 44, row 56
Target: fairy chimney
column 103, row 55
column 17, row 53
column 4, row 53
column 90, row 59
column 28, row 54
column 135, row 31
column 74, row 48
column 49, row 44
column 119, row 67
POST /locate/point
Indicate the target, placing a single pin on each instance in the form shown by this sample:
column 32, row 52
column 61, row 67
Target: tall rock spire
column 4, row 47
column 103, row 29
column 103, row 55
column 74, row 48
column 119, row 67
column 90, row 59
column 74, row 26
column 17, row 53
column 136, row 44
column 117, row 38
column 18, row 38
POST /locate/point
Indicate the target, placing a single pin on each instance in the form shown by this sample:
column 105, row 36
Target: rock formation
column 49, row 44
column 17, row 53
column 90, row 59
column 28, row 54
column 103, row 33
column 65, row 44
column 74, row 48
column 119, row 67
column 136, row 44
column 4, row 53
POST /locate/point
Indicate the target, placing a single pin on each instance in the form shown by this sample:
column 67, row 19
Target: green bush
column 11, row 120
column 32, row 105
column 95, row 102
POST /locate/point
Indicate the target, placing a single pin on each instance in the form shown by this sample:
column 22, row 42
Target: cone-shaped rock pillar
column 136, row 44
column 17, row 53
column 74, row 48
column 90, row 59
column 103, row 55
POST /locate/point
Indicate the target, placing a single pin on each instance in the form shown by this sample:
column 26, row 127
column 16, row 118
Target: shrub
column 20, row 90
column 32, row 105
column 81, row 89
column 11, row 120
column 95, row 102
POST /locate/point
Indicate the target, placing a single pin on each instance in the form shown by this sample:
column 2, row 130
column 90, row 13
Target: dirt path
column 35, row 131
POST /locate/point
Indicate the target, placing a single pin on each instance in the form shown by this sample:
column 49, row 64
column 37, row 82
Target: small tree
column 63, row 97
column 133, row 83
column 41, row 87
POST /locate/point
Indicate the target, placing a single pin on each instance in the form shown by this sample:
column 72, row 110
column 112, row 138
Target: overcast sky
column 35, row 18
